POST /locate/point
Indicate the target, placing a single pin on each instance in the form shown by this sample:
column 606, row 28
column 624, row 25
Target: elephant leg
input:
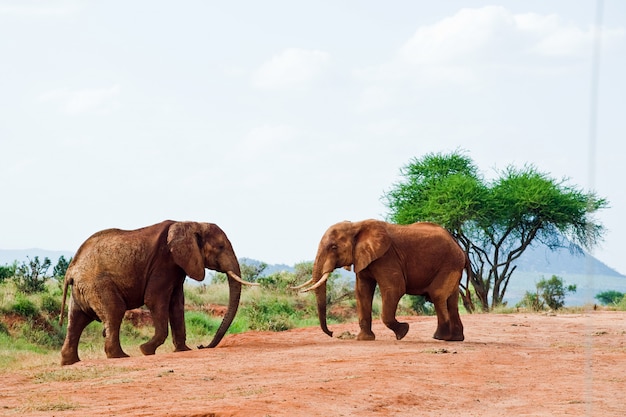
column 456, row 326
column 177, row 320
column 112, row 324
column 160, row 318
column 111, row 311
column 364, row 290
column 77, row 321
column 390, row 298
column 443, row 317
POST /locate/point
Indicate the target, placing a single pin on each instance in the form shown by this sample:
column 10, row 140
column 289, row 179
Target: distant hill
column 562, row 261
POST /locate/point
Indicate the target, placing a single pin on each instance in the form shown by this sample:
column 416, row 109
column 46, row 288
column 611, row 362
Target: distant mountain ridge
column 562, row 261
column 535, row 259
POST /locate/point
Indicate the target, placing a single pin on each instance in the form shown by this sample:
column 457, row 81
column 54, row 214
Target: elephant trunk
column 320, row 295
column 233, row 304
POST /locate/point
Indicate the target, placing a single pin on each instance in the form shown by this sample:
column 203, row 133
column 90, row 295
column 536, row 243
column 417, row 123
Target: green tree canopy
column 59, row 270
column 7, row 271
column 494, row 221
column 610, row 297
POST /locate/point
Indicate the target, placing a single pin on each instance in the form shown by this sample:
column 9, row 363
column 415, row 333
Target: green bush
column 239, row 325
column 550, row 293
column 273, row 315
column 7, row 271
column 51, row 304
column 45, row 335
column 198, row 323
column 531, row 301
column 421, row 306
column 610, row 297
column 24, row 307
column 30, row 277
column 278, row 281
column 553, row 291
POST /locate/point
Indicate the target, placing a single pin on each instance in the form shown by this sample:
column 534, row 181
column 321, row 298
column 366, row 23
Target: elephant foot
column 69, row 360
column 456, row 338
column 182, row 348
column 69, row 356
column 449, row 337
column 365, row 336
column 401, row 330
column 441, row 335
column 147, row 349
column 117, row 355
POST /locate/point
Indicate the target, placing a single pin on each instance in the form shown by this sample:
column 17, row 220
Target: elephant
column 419, row 259
column 117, row 270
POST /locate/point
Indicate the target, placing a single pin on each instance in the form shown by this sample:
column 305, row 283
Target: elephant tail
column 66, row 283
column 467, row 297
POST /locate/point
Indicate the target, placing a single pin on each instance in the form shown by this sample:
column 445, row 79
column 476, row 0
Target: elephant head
column 345, row 244
column 196, row 246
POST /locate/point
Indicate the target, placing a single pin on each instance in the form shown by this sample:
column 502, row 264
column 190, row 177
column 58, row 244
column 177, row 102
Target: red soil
column 509, row 365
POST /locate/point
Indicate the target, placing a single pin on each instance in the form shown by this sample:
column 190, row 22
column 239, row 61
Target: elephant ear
column 371, row 242
column 183, row 243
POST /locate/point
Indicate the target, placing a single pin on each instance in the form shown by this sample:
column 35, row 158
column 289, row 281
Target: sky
column 277, row 119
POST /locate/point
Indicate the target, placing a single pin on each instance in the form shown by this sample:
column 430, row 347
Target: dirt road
column 509, row 365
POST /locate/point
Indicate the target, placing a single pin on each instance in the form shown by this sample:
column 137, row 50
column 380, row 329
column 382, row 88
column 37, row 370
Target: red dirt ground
column 509, row 365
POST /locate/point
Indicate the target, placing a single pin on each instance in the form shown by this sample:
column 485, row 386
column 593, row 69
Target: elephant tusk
column 318, row 283
column 236, row 278
column 302, row 285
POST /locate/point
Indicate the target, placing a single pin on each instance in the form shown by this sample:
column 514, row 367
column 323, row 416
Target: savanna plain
column 516, row 364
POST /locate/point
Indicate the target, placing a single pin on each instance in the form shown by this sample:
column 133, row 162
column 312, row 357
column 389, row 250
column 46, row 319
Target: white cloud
column 467, row 34
column 292, row 68
column 465, row 48
column 551, row 36
column 82, row 101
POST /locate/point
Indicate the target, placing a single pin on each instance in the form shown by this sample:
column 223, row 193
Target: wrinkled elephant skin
column 418, row 259
column 117, row 270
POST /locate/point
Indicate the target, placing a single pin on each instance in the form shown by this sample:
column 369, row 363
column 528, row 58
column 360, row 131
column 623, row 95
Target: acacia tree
column 494, row 221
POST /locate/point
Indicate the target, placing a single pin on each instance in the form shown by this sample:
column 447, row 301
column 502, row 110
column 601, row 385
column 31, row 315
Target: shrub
column 610, row 297
column 550, row 293
column 531, row 301
column 50, row 304
column 553, row 291
column 198, row 323
column 273, row 315
column 42, row 334
column 278, row 281
column 7, row 271
column 420, row 305
column 24, row 307
column 30, row 277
